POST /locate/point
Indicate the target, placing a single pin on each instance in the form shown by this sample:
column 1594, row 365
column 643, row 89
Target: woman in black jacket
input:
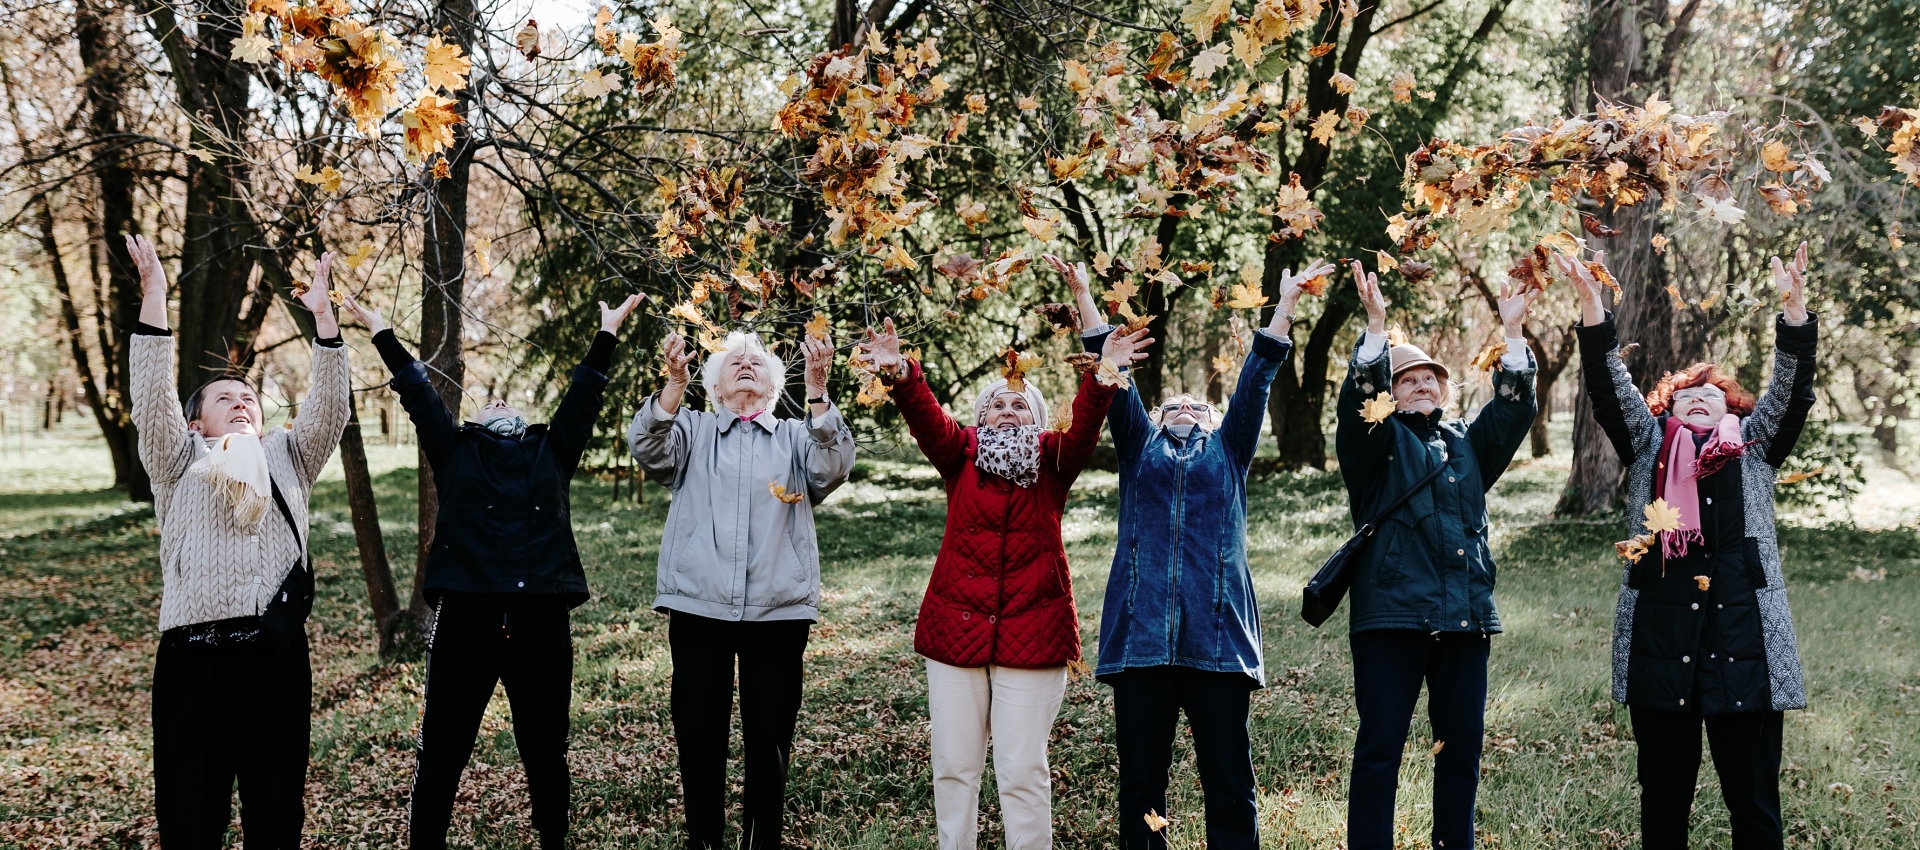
column 1702, row 635
column 502, row 574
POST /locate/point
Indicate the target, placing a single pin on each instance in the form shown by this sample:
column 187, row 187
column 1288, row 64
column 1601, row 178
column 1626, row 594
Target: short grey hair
column 737, row 340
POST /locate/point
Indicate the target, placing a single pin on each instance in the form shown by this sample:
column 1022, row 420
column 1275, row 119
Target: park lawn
column 79, row 593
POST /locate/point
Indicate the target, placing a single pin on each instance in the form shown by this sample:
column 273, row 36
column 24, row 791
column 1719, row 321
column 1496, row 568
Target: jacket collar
column 532, row 430
column 1420, row 421
column 728, row 417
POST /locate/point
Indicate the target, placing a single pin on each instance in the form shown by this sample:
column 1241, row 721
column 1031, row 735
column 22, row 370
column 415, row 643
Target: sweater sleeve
column 323, row 416
column 165, row 449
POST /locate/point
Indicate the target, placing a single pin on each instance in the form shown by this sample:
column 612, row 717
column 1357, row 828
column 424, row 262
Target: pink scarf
column 1678, row 478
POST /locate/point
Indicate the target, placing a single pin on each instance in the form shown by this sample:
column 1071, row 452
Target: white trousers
column 1015, row 709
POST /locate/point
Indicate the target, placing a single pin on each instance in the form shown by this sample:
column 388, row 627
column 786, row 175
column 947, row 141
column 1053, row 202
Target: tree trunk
column 443, row 269
column 119, row 445
column 381, row 595
column 1296, row 405
column 1623, row 69
column 99, row 33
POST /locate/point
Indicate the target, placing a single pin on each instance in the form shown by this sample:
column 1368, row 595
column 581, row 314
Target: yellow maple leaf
column 1040, row 228
column 1203, row 16
column 1403, row 85
column 1343, row 83
column 1703, row 582
column 971, row 213
column 483, row 255
column 445, row 67
column 429, row 124
column 976, row 104
column 817, row 326
column 1388, row 262
column 1635, row 548
column 1154, row 821
column 1120, row 292
column 359, row 256
column 1027, row 103
column 1773, row 156
column 327, row 178
column 1325, row 126
column 1489, row 357
column 779, row 491
column 898, row 258
column 1797, row 477
column 1109, row 374
column 1376, row 410
column 1243, row 296
column 1662, row 516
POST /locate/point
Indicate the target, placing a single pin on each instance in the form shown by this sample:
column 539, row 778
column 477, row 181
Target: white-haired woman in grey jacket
column 739, row 571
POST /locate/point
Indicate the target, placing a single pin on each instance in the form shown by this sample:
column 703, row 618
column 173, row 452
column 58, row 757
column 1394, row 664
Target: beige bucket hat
column 1407, row 356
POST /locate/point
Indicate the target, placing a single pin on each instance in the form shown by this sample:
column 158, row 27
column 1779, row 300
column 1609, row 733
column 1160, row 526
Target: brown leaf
column 1594, row 227
column 960, row 267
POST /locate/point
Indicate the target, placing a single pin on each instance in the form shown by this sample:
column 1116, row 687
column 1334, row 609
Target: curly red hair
column 1739, row 401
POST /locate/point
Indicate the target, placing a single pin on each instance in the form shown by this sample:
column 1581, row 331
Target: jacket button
column 536, row 507
column 1459, row 551
column 1696, row 606
column 1709, row 500
column 523, row 584
column 1719, row 606
column 1686, row 659
column 1713, row 655
column 1709, row 554
column 489, row 507
column 1683, row 702
column 1450, row 479
column 1737, row 703
column 966, row 615
column 1463, row 624
column 993, row 619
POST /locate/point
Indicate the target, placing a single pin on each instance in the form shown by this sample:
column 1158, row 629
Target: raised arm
column 1781, row 413
column 1073, row 447
column 1126, row 414
column 1271, row 348
column 659, row 437
column 329, row 403
column 1618, row 407
column 157, row 415
column 941, row 439
column 1503, row 423
column 433, row 423
column 572, row 423
column 1362, row 445
column 829, row 451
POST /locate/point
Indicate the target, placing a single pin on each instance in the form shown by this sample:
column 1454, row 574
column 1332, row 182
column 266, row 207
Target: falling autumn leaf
column 1660, row 242
column 1797, row 477
column 1027, row 103
column 445, row 67
column 1703, row 582
column 1242, row 296
column 971, row 213
column 1722, row 210
column 1109, row 374
column 1593, row 227
column 1386, row 261
column 358, row 256
column 1343, row 83
column 960, row 267
column 779, row 491
column 1154, row 821
column 252, row 46
column 1403, row 85
column 1489, row 357
column 1438, row 746
column 1016, row 366
column 441, row 169
column 1040, row 228
column 976, row 104
column 1321, row 49
column 1780, row 199
column 1634, row 549
column 1773, row 157
column 1325, row 126
column 429, row 125
column 483, row 255
column 1415, row 271
column 1203, row 16
column 1662, row 516
column 1210, row 60
column 527, row 40
column 328, row 179
column 595, row 83
column 1376, row 410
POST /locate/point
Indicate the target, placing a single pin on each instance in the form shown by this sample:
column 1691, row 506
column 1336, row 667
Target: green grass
column 79, row 593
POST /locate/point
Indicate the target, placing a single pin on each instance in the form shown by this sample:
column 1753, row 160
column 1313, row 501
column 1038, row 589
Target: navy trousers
column 1746, row 755
column 1388, row 667
column 1147, row 703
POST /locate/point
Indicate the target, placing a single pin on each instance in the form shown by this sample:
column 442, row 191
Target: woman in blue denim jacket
column 1180, row 629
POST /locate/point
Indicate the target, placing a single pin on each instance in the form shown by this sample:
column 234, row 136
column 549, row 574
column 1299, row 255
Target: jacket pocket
column 1133, row 573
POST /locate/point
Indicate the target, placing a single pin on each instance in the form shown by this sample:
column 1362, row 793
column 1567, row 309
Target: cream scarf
column 236, row 467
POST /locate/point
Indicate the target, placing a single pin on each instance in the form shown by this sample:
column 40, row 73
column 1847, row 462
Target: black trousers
column 1147, row 703
column 223, row 713
column 1746, row 755
column 525, row 643
column 769, row 653
column 1388, row 667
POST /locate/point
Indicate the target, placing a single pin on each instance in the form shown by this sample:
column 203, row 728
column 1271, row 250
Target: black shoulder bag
column 285, row 616
column 1322, row 595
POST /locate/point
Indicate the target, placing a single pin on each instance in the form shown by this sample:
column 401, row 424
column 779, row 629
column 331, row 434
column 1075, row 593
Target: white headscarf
column 236, row 467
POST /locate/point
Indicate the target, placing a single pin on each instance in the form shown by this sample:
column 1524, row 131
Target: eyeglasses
column 1195, row 406
column 1707, row 393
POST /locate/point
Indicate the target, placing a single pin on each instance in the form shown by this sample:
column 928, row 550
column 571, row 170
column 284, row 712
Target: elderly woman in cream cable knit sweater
column 232, row 692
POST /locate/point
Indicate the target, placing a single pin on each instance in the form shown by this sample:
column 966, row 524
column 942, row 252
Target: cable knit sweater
column 212, row 568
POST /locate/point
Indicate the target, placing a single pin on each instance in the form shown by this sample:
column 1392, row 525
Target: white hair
column 1449, row 389
column 1035, row 402
column 737, row 340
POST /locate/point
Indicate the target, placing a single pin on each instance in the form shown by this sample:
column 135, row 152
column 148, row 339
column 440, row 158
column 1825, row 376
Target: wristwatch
column 821, row 400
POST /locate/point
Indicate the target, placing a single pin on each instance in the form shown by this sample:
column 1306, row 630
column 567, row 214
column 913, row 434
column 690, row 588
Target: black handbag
column 1322, row 595
column 286, row 614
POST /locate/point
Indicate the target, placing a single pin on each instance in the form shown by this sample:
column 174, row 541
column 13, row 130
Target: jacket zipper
column 1173, row 573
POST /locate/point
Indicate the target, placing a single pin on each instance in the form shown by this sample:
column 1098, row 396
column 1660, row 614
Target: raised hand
column 367, row 315
column 1587, row 287
column 1514, row 302
column 1292, row 286
column 1126, row 348
column 1791, row 280
column 1371, row 298
column 819, row 357
column 882, row 348
column 678, row 356
column 318, row 299
column 153, row 281
column 1082, row 288
column 612, row 317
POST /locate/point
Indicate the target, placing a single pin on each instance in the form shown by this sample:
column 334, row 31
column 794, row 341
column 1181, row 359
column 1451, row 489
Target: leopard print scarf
column 1011, row 453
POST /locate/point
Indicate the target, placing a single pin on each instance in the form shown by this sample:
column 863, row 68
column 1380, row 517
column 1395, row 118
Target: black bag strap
column 1399, row 501
column 306, row 558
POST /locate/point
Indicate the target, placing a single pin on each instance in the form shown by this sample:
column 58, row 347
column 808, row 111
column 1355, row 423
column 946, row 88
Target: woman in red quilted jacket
column 998, row 625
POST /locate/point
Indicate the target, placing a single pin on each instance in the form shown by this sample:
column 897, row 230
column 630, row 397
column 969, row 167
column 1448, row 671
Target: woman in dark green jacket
column 1423, row 591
